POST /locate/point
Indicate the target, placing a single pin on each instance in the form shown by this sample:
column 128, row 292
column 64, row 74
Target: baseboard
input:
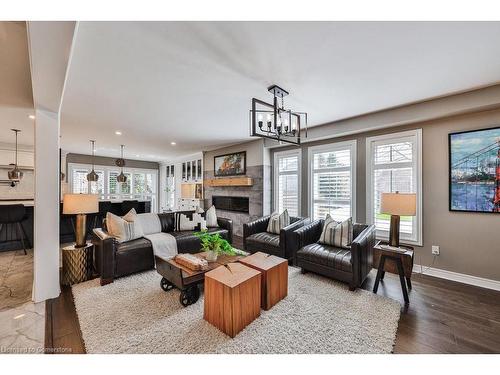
column 458, row 277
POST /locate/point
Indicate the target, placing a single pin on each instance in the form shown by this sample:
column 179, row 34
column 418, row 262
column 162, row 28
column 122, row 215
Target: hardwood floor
column 442, row 317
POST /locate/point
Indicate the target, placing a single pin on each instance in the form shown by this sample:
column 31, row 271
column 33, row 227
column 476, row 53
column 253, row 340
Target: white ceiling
column 16, row 99
column 192, row 82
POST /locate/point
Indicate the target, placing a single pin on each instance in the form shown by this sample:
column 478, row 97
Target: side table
column 232, row 297
column 400, row 263
column 77, row 264
column 274, row 277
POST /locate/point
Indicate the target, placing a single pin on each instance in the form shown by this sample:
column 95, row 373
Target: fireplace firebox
column 238, row 204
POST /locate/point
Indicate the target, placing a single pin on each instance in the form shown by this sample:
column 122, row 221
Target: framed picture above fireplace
column 475, row 170
column 234, row 164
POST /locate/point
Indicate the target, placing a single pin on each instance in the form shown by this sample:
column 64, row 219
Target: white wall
column 26, row 188
column 46, row 224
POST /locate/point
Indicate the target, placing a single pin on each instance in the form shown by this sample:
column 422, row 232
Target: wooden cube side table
column 274, row 280
column 77, row 264
column 232, row 297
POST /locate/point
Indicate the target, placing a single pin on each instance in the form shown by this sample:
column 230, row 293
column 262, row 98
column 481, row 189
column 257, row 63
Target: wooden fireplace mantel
column 229, row 181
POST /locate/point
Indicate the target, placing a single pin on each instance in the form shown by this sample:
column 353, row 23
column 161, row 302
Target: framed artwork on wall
column 474, row 173
column 230, row 164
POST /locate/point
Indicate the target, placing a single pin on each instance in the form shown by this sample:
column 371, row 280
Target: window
column 113, row 188
column 98, row 186
column 140, row 184
column 287, row 181
column 79, row 181
column 332, row 180
column 394, row 163
column 170, row 187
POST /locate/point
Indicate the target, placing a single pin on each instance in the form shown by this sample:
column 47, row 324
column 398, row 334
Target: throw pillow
column 211, row 217
column 277, row 222
column 182, row 222
column 122, row 229
column 150, row 223
column 338, row 234
column 197, row 218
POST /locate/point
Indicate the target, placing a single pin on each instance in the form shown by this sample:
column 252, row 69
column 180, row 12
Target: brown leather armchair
column 256, row 238
column 347, row 265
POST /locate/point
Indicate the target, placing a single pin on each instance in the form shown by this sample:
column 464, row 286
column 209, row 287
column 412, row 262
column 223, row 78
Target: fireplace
column 238, row 204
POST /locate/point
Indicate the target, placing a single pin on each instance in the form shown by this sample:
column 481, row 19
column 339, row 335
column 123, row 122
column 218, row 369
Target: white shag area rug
column 134, row 315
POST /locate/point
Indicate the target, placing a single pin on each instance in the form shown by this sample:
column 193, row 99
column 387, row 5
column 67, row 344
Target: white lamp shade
column 74, row 204
column 402, row 204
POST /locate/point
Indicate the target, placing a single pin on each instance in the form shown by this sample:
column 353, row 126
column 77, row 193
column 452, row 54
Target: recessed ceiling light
column 173, row 143
column 31, row 117
column 137, row 155
column 118, row 132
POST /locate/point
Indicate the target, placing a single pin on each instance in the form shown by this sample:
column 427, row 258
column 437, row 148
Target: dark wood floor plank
column 443, row 316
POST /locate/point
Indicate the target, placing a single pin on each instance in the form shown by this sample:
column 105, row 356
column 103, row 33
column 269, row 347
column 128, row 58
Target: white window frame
column 278, row 155
column 416, row 137
column 336, row 146
column 107, row 170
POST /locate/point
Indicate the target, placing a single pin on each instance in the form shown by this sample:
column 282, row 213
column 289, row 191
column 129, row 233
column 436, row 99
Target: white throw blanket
column 164, row 244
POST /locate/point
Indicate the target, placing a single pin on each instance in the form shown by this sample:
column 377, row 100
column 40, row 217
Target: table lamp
column 80, row 205
column 397, row 204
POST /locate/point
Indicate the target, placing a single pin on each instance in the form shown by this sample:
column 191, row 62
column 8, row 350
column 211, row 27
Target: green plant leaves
column 214, row 242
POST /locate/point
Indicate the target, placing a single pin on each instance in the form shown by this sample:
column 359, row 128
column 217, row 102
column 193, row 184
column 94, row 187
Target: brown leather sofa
column 113, row 259
column 256, row 238
column 347, row 265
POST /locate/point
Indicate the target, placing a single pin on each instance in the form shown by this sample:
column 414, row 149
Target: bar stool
column 128, row 205
column 104, row 208
column 15, row 214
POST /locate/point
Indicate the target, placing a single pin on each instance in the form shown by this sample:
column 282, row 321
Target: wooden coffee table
column 274, row 280
column 175, row 275
column 232, row 297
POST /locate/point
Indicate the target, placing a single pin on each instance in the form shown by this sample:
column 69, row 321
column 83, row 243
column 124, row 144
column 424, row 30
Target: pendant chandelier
column 121, row 178
column 92, row 176
column 15, row 175
column 274, row 121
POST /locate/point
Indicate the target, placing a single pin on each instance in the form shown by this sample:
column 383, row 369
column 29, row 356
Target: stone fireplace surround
column 257, row 205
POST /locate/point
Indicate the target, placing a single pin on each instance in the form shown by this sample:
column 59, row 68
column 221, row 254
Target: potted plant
column 214, row 245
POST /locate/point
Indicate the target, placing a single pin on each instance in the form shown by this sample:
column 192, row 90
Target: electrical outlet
column 435, row 250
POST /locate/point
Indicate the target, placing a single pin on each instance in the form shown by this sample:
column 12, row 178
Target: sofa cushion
column 150, row 223
column 325, row 255
column 265, row 242
column 133, row 256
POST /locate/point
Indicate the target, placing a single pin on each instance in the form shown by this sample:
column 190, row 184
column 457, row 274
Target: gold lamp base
column 81, row 230
column 394, row 231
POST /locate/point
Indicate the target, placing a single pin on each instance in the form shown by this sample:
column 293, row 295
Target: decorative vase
column 211, row 256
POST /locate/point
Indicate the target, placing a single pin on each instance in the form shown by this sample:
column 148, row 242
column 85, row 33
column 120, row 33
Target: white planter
column 211, row 256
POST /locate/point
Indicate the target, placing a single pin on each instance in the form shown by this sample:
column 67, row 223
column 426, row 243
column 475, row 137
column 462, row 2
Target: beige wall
column 254, row 149
column 469, row 242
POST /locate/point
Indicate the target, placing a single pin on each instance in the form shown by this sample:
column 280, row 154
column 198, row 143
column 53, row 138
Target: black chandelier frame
column 275, row 127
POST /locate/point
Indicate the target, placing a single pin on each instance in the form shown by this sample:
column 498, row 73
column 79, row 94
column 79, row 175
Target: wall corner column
column 47, row 205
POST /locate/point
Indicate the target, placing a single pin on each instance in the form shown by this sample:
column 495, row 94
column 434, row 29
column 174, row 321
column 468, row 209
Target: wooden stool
column 232, row 297
column 274, row 280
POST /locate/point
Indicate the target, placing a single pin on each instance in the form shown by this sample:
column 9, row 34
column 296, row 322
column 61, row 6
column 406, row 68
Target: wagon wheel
column 166, row 285
column 189, row 296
